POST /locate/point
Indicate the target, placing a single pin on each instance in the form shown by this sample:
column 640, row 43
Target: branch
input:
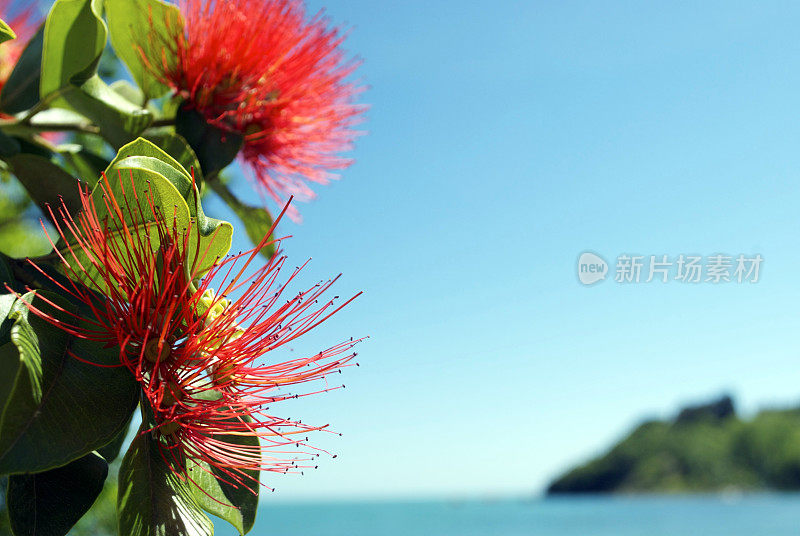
column 14, row 126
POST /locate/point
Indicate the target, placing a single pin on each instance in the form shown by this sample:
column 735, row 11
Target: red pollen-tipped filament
column 202, row 358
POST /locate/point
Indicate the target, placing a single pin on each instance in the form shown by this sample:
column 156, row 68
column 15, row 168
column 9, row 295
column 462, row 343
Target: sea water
column 727, row 515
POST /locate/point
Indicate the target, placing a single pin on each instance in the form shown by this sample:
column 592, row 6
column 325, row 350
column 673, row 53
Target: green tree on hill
column 706, row 448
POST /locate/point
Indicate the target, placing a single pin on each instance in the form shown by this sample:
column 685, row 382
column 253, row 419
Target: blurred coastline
column 706, row 447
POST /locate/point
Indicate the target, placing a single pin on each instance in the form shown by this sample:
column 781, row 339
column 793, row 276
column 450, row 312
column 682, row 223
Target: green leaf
column 60, row 116
column 171, row 186
column 141, row 147
column 118, row 119
column 33, row 148
column 6, row 306
column 21, row 90
column 221, row 495
column 20, row 237
column 87, row 164
column 9, row 367
column 6, row 33
column 6, row 275
column 128, row 91
column 153, row 166
column 110, row 451
column 8, row 145
column 47, row 183
column 179, row 149
column 142, row 167
column 215, row 148
column 58, row 407
column 152, row 500
column 137, row 29
column 74, row 38
column 50, row 503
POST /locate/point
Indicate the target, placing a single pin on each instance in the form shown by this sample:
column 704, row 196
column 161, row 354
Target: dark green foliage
column 698, row 452
column 177, row 147
column 86, row 164
column 770, row 444
column 152, row 500
column 714, row 411
column 101, row 520
column 67, row 120
column 20, row 232
column 216, row 493
column 9, row 146
column 60, row 186
column 21, row 90
column 215, row 148
column 50, row 503
column 47, row 418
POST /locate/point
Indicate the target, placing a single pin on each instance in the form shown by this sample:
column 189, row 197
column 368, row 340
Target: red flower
column 196, row 353
column 262, row 69
column 24, row 19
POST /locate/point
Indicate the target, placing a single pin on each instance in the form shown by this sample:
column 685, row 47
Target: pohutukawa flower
column 265, row 70
column 202, row 357
column 24, row 19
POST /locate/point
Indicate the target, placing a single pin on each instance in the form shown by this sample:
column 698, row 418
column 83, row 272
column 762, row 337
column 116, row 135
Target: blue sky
column 505, row 138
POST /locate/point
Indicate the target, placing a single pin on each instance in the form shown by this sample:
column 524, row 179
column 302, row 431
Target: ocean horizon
column 724, row 514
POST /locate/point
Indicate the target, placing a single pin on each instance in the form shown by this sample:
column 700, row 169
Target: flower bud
column 152, row 352
column 172, row 394
column 169, row 427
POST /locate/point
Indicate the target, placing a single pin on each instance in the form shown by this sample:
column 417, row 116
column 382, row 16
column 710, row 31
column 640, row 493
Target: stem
column 15, row 126
column 23, row 124
column 63, row 127
column 163, row 122
column 40, row 106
